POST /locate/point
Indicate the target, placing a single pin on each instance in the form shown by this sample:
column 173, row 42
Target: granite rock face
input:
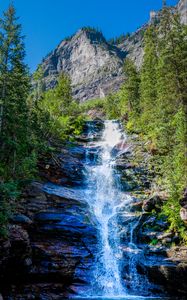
column 94, row 65
column 133, row 46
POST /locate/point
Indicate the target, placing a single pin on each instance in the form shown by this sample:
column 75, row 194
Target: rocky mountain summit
column 94, row 65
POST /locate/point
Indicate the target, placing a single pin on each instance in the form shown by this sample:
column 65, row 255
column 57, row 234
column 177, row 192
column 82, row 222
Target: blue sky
column 46, row 22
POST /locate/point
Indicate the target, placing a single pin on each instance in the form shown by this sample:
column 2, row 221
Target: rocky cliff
column 94, row 65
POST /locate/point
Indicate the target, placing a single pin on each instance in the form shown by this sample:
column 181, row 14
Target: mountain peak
column 91, row 33
column 94, row 65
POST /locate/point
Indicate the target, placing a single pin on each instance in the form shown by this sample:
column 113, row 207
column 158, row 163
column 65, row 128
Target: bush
column 8, row 195
column 93, row 104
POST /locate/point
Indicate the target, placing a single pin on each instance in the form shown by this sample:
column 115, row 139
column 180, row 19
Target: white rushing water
column 105, row 198
column 117, row 254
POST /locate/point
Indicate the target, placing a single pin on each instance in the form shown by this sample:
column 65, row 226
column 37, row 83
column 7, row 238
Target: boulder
column 183, row 201
column 15, row 256
column 154, row 202
column 20, row 249
column 183, row 215
column 171, row 275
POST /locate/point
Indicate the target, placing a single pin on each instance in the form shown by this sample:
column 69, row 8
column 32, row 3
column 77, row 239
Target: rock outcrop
column 133, row 46
column 94, row 65
column 183, row 211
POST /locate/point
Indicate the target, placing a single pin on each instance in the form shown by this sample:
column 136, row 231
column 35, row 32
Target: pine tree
column 14, row 88
column 112, row 106
column 171, row 109
column 63, row 93
column 171, row 74
column 148, row 82
column 131, row 86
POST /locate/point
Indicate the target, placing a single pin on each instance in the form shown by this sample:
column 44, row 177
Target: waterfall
column 105, row 199
column 111, row 270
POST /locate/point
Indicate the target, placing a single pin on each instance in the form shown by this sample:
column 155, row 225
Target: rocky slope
column 94, row 65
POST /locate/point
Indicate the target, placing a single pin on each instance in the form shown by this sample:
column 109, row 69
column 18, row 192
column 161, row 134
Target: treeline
column 29, row 120
column 119, row 40
column 153, row 103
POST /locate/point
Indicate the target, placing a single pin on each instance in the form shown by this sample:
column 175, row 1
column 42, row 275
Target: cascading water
column 105, row 199
column 111, row 270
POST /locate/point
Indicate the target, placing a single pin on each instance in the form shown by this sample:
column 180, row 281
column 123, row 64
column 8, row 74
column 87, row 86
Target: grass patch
column 98, row 103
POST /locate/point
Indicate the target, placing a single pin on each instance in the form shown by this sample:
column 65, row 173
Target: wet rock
column 168, row 267
column 121, row 149
column 165, row 235
column 153, row 230
column 122, row 165
column 154, row 202
column 64, row 192
column 169, row 274
column 21, row 219
column 47, row 217
column 156, row 224
column 148, row 236
column 137, row 206
column 40, row 291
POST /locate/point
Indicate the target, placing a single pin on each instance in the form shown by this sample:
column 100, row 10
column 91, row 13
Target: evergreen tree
column 171, row 86
column 58, row 113
column 171, row 108
column 148, row 81
column 63, row 94
column 14, row 89
column 131, row 86
column 112, row 106
column 129, row 95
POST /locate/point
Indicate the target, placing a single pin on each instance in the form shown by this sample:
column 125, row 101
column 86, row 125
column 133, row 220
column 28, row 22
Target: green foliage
column 57, row 114
column 91, row 29
column 17, row 159
column 125, row 103
column 28, row 122
column 39, row 83
column 8, row 194
column 148, row 89
column 112, row 107
column 130, row 90
column 92, row 104
column 14, row 89
column 154, row 242
column 154, row 104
